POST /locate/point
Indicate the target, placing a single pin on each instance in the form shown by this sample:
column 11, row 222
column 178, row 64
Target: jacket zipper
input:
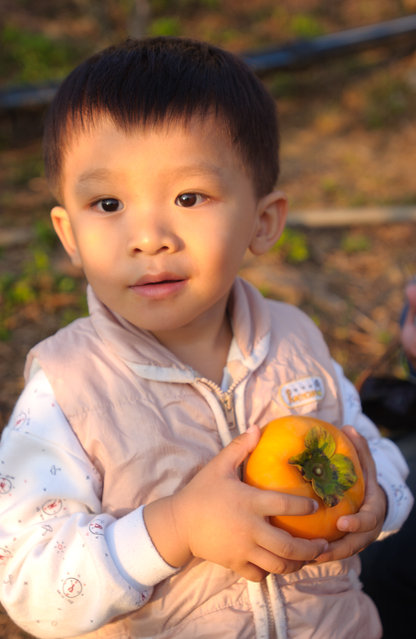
column 270, row 619
column 226, row 400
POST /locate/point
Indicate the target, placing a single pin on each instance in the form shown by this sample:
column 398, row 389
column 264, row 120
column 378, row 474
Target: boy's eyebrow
column 199, row 168
column 98, row 175
column 194, row 169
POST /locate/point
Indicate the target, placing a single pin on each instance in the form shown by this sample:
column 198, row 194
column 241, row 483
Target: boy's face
column 160, row 218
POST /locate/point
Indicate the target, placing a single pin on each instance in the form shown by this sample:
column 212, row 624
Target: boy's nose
column 152, row 239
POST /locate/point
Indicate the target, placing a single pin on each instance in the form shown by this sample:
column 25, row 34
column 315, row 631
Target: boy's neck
column 205, row 351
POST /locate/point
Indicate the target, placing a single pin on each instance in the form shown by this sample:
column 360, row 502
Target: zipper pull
column 227, row 401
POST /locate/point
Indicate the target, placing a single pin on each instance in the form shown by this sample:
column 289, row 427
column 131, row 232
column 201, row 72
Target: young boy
column 122, row 510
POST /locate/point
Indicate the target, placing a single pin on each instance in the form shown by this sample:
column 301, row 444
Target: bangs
column 162, row 80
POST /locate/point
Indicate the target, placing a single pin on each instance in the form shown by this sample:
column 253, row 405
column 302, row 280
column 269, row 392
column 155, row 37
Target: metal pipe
column 304, row 53
column 296, row 55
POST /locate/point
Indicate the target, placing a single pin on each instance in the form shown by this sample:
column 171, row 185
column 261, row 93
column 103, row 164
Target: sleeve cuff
column 399, row 505
column 134, row 553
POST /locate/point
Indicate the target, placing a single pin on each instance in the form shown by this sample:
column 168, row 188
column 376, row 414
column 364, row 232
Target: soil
column 348, row 139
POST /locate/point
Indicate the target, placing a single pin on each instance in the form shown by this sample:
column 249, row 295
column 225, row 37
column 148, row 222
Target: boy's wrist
column 161, row 523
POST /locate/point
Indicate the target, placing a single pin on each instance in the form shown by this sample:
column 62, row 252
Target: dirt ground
column 348, row 140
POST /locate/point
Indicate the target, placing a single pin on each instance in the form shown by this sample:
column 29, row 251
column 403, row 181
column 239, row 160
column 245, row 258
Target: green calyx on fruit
column 330, row 473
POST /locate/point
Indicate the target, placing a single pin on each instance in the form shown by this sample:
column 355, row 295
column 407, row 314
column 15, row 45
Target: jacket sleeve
column 66, row 567
column 391, row 466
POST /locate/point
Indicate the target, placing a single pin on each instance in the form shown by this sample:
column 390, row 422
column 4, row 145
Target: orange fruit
column 312, row 458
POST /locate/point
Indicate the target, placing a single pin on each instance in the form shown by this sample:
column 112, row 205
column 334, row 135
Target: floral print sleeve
column 391, row 466
column 63, row 562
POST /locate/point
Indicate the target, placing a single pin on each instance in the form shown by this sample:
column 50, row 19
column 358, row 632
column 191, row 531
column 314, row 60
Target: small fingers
column 237, row 450
column 363, row 451
column 281, row 544
column 252, row 572
column 345, row 547
column 364, row 521
column 270, row 502
column 274, row 564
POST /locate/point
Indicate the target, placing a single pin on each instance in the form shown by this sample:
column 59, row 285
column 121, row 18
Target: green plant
column 355, row 243
column 29, row 167
column 29, row 56
column 265, row 290
column 45, row 236
column 165, row 26
column 161, row 7
column 35, row 285
column 304, row 25
column 293, row 246
column 388, row 98
column 282, row 85
column 330, row 186
column 66, row 284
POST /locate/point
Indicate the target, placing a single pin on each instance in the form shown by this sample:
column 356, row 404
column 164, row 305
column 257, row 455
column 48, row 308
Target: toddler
column 122, row 510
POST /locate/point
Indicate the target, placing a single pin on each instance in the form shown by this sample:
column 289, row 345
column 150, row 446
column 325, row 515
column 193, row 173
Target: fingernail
column 342, row 524
column 351, row 429
column 315, row 506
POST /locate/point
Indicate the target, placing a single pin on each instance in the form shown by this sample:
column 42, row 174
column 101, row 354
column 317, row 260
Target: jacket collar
column 140, row 350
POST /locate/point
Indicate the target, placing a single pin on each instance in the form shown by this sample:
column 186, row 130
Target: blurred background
column 348, row 140
column 348, row 129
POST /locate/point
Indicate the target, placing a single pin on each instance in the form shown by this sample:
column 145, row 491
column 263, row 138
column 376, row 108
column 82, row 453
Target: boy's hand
column 365, row 526
column 219, row 518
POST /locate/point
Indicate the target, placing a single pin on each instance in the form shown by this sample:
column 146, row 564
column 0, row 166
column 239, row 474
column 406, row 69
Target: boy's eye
column 108, row 205
column 189, row 199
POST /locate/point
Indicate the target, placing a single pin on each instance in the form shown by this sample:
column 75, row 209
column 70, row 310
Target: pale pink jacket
column 74, row 552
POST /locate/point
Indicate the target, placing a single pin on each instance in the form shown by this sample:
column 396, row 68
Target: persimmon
column 309, row 457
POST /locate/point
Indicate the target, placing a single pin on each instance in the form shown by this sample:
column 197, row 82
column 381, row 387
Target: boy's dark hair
column 159, row 80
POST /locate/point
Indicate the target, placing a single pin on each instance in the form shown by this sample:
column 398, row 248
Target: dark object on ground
column 390, row 402
column 389, row 566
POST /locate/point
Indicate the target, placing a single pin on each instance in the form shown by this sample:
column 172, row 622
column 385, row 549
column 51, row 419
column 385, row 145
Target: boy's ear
column 63, row 229
column 271, row 220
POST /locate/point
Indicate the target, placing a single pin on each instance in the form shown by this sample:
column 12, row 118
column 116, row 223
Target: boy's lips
column 158, row 286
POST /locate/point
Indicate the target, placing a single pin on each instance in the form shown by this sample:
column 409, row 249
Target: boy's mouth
column 158, row 286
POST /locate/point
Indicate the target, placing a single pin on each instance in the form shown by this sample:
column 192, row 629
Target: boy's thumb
column 238, row 449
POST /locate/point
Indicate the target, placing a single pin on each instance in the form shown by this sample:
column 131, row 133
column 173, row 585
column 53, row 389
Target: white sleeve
column 391, row 466
column 66, row 567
